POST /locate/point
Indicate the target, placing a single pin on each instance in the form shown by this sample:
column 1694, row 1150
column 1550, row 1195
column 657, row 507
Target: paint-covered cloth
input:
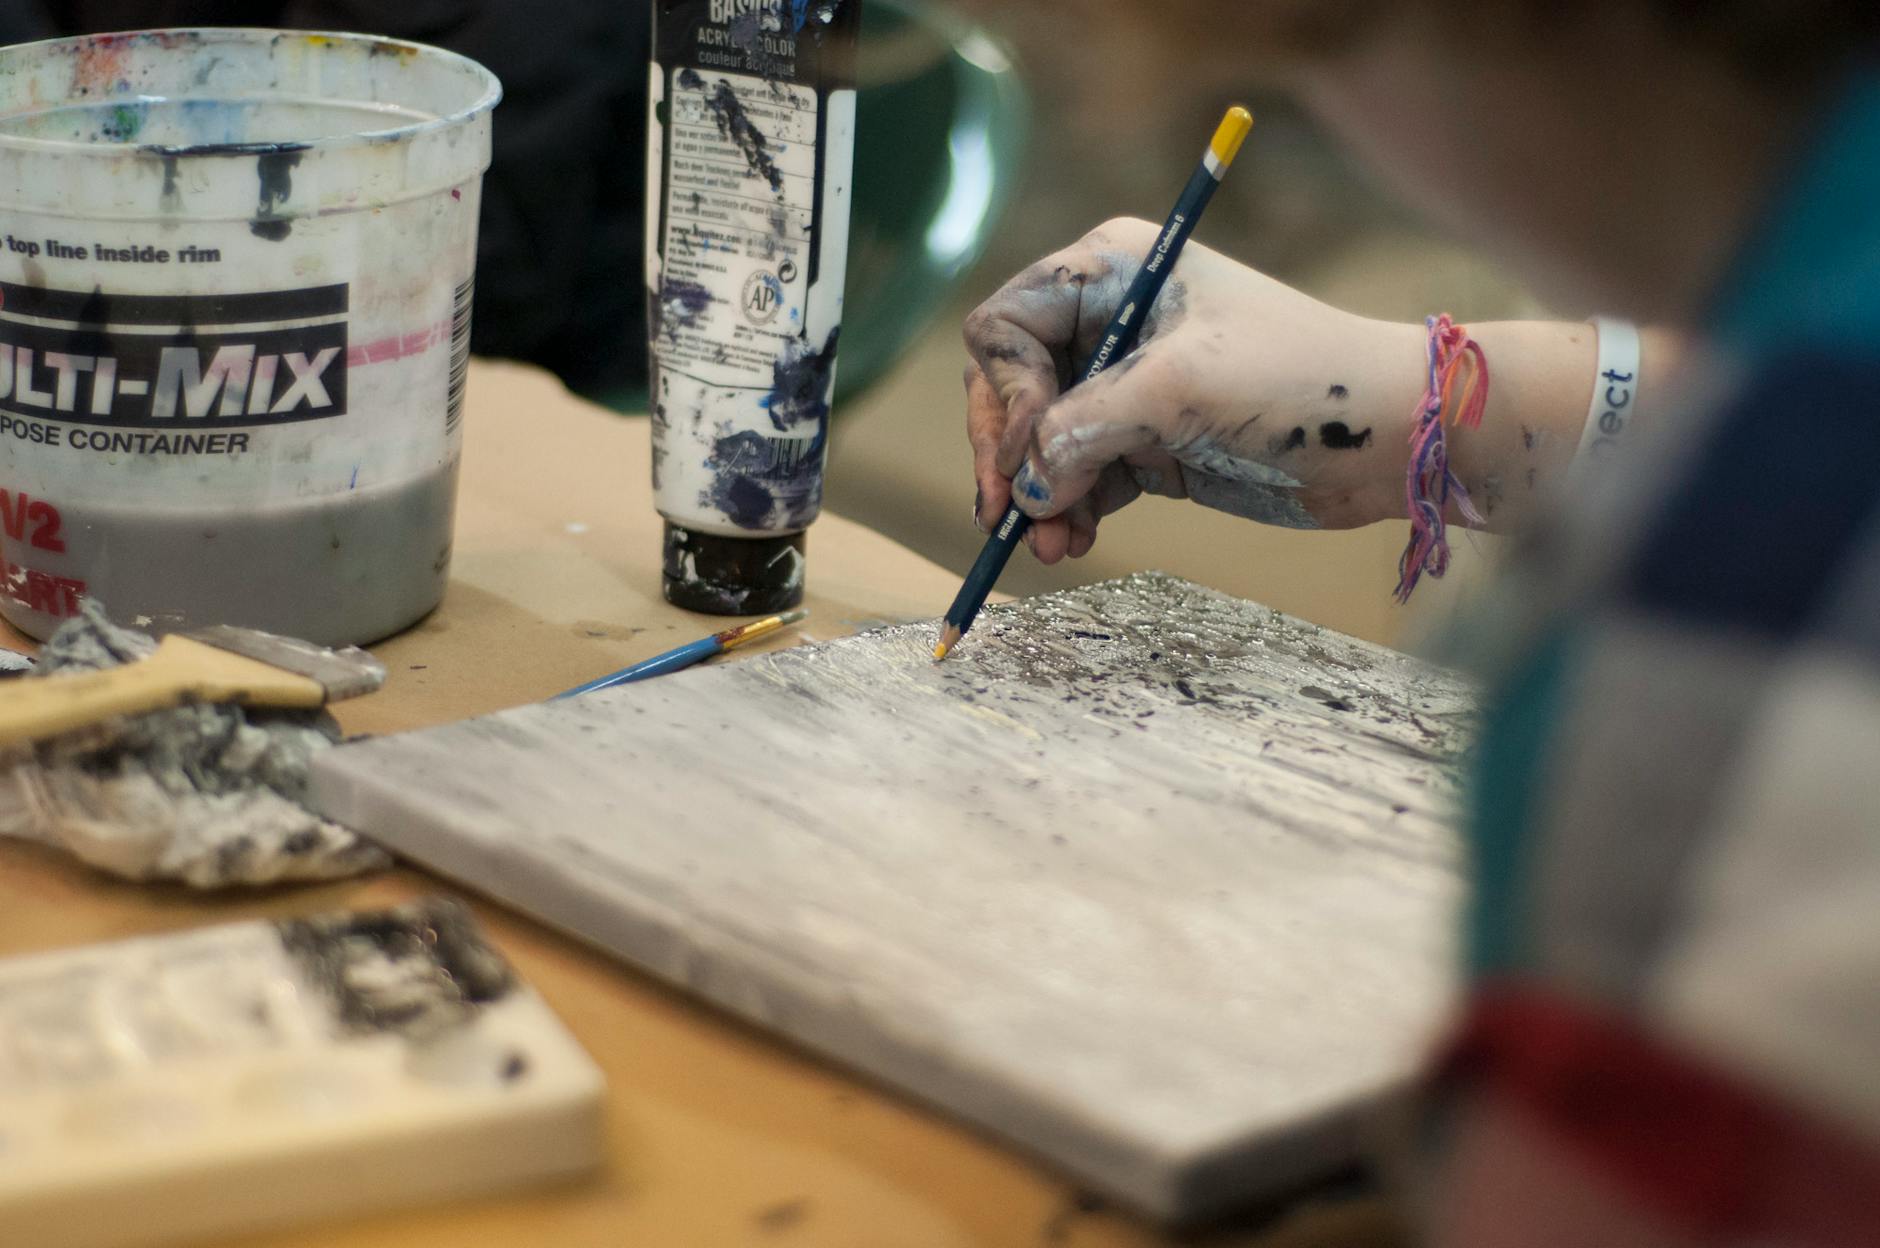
column 1676, row 931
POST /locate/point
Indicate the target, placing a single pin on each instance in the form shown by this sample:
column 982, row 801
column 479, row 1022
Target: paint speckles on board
column 735, row 126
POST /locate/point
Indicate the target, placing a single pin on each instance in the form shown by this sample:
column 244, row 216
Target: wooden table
column 717, row 1135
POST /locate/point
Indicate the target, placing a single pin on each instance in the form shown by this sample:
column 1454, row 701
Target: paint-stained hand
column 1243, row 395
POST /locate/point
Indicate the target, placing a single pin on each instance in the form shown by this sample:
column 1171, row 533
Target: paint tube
column 749, row 157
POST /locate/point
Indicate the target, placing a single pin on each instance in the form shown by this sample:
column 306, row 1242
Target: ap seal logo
column 763, row 297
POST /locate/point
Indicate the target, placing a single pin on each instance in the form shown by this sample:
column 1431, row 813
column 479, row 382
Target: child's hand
column 1243, row 395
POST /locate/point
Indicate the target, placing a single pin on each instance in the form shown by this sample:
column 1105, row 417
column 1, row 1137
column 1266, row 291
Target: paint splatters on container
column 124, row 122
column 274, row 177
column 170, row 198
column 765, row 484
column 801, row 378
column 275, row 172
column 735, row 126
column 683, row 305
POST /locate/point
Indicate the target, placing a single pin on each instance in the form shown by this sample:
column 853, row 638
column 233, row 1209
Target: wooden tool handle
column 180, row 671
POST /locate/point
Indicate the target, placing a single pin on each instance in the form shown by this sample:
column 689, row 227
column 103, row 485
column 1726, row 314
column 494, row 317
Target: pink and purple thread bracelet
column 1429, row 483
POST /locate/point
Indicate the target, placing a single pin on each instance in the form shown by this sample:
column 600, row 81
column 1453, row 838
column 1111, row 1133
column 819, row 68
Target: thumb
column 1086, row 430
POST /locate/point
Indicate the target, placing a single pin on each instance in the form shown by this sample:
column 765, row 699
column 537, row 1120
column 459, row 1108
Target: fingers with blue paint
column 1247, row 397
column 1244, row 395
column 1010, row 356
column 1031, row 492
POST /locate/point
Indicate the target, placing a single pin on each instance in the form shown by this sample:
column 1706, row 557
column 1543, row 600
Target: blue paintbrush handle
column 671, row 661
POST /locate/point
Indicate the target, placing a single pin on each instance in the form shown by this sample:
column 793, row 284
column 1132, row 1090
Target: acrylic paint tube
column 748, row 174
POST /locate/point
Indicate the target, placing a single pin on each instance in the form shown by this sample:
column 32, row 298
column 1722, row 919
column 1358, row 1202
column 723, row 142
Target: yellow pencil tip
column 1233, row 131
column 940, row 652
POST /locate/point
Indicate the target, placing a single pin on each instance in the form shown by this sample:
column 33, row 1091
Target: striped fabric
column 1676, row 932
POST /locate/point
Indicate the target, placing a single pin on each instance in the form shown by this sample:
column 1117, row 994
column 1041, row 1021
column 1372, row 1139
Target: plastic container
column 749, row 165
column 236, row 272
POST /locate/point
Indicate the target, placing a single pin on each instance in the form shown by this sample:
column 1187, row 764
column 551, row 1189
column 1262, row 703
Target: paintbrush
column 221, row 664
column 1119, row 339
column 693, row 652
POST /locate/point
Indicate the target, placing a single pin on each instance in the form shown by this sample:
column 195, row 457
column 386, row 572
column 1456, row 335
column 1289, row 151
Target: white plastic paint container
column 236, row 270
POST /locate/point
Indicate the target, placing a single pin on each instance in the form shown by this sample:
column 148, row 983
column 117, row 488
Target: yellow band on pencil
column 1232, row 132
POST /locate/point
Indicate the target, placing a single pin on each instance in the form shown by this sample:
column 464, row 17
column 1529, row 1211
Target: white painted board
column 171, row 1089
column 1156, row 883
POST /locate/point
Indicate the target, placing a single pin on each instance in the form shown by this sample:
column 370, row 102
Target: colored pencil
column 693, row 652
column 1118, row 341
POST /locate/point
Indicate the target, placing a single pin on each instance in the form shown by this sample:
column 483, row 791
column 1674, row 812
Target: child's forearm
column 1542, row 382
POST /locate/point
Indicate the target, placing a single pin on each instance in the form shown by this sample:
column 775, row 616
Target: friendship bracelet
column 1429, row 484
column 1615, row 393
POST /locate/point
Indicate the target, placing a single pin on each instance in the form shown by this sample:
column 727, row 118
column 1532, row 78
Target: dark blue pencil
column 1118, row 341
column 685, row 656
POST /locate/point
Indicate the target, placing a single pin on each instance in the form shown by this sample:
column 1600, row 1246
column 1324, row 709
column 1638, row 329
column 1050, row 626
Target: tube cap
column 733, row 575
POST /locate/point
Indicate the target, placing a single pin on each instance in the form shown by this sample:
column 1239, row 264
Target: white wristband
column 1615, row 393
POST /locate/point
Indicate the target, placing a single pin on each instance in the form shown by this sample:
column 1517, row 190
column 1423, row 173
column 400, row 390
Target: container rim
column 475, row 71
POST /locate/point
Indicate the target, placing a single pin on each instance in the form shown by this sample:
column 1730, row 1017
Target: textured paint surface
column 1154, row 881
column 418, row 971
